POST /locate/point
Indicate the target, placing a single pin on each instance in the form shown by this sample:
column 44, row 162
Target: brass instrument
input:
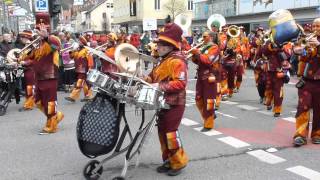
column 183, row 21
column 75, row 45
column 233, row 31
column 14, row 54
column 194, row 47
column 101, row 46
column 304, row 41
column 217, row 20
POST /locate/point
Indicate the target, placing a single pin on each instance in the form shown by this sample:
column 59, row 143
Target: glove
column 195, row 51
column 75, row 46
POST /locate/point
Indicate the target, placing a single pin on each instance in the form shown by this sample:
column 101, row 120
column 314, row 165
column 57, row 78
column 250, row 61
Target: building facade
column 129, row 14
column 254, row 13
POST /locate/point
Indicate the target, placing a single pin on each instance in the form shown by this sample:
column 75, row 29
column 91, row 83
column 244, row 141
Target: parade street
column 247, row 143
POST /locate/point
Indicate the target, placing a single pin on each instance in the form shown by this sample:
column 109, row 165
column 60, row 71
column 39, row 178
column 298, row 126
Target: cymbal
column 141, row 56
column 130, row 76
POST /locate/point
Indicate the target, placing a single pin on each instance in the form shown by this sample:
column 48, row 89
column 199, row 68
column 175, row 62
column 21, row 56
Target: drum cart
column 93, row 169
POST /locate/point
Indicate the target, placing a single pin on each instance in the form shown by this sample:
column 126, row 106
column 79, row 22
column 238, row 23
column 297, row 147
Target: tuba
column 14, row 54
column 216, row 20
column 183, row 21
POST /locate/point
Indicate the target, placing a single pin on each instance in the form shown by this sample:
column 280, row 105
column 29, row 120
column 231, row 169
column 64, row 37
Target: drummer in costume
column 171, row 75
column 45, row 65
column 206, row 86
column 309, row 90
column 223, row 39
column 29, row 76
column 83, row 62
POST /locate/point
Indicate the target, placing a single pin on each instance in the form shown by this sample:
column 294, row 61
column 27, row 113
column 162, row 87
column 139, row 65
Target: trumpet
column 233, row 31
column 195, row 47
column 14, row 54
column 101, row 46
column 305, row 40
column 75, row 45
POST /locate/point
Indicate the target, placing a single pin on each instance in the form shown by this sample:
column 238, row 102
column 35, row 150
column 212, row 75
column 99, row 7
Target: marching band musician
column 170, row 75
column 106, row 67
column 277, row 62
column 29, row 76
column 309, row 90
column 45, row 65
column 83, row 62
column 230, row 57
column 223, row 39
column 206, row 86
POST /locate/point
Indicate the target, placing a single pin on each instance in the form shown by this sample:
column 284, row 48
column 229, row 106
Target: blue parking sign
column 41, row 6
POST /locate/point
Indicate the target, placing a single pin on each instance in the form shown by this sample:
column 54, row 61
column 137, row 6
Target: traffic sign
column 41, row 6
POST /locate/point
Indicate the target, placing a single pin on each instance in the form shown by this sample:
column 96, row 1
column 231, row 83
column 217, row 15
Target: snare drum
column 101, row 80
column 148, row 97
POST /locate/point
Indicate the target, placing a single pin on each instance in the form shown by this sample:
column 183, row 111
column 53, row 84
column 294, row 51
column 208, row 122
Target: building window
column 190, row 5
column 108, row 5
column 111, row 5
column 104, row 15
column 157, row 4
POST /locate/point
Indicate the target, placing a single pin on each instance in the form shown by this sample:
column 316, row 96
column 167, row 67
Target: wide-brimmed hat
column 55, row 42
column 171, row 34
column 26, row 34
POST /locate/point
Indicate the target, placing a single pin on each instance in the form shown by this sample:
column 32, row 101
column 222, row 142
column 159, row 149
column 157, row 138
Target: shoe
column 60, row 116
column 236, row 90
column 299, row 141
column 269, row 108
column 230, row 96
column 316, row 140
column 24, row 109
column 261, row 100
column 276, row 115
column 224, row 98
column 69, row 99
column 164, row 168
column 205, row 129
column 86, row 99
column 175, row 172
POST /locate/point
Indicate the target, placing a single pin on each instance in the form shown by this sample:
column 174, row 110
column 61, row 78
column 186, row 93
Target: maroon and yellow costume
column 308, row 94
column 206, row 86
column 29, row 75
column 46, row 62
column 83, row 61
column 275, row 75
column 171, row 74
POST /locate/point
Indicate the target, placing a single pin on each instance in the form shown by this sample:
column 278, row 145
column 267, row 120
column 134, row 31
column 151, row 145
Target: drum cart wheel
column 3, row 110
column 118, row 178
column 93, row 170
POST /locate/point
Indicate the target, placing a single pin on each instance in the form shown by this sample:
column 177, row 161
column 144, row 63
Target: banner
column 77, row 2
column 149, row 24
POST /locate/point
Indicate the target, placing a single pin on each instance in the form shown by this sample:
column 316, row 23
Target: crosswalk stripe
column 208, row 133
column 227, row 115
column 190, row 92
column 188, row 122
column 305, row 172
column 234, row 142
column 266, row 157
column 246, row 107
column 290, row 119
column 266, row 112
column 229, row 102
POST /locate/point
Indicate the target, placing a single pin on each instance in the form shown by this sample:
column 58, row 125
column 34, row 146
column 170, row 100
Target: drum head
column 98, row 127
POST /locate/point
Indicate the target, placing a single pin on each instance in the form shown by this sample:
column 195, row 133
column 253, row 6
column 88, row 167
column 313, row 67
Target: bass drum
column 97, row 127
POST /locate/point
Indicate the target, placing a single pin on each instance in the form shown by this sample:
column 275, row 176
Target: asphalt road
column 248, row 143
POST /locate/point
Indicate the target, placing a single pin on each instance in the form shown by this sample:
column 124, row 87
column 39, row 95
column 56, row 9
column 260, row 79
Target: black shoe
column 164, row 168
column 299, row 141
column 205, row 129
column 276, row 115
column 86, row 99
column 24, row 109
column 315, row 140
column 261, row 100
column 69, row 99
column 175, row 172
column 215, row 116
column 269, row 108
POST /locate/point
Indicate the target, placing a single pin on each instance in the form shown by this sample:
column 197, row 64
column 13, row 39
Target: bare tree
column 175, row 7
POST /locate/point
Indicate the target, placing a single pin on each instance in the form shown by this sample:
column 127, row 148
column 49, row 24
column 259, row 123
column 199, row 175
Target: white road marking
column 266, row 157
column 266, row 112
column 234, row 142
column 292, row 83
column 190, row 92
column 305, row 172
column 192, row 79
column 293, row 112
column 290, row 119
column 272, row 150
column 229, row 102
column 246, row 107
column 227, row 115
column 190, row 104
column 208, row 133
column 188, row 122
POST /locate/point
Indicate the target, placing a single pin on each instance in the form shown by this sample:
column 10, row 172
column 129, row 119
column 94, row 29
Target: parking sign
column 41, row 6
